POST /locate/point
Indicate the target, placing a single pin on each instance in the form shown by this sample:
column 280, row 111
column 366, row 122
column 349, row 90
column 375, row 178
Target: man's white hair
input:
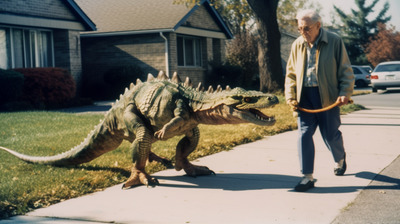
column 309, row 13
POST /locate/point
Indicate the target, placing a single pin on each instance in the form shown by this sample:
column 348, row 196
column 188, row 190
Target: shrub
column 225, row 74
column 49, row 87
column 11, row 83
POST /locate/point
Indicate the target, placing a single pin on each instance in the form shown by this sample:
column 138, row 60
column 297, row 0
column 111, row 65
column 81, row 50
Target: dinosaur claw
column 194, row 171
column 139, row 177
column 153, row 183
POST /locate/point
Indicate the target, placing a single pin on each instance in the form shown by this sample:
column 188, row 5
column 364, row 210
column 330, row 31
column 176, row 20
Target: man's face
column 309, row 29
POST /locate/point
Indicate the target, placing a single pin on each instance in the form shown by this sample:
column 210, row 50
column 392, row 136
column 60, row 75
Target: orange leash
column 322, row 109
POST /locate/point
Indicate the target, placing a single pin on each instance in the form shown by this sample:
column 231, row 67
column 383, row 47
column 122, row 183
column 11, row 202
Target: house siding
column 38, row 8
column 102, row 54
column 67, row 53
column 105, row 50
column 66, row 43
column 202, row 19
column 212, row 48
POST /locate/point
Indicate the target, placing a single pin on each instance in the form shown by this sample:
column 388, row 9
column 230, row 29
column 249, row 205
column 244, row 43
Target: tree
column 238, row 14
column 269, row 58
column 358, row 29
column 242, row 51
column 288, row 10
column 384, row 46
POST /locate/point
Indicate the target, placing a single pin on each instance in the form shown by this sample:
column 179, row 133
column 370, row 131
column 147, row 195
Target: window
column 189, row 51
column 25, row 48
column 4, row 53
column 356, row 71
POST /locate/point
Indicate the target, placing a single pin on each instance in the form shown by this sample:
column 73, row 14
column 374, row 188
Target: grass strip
column 24, row 187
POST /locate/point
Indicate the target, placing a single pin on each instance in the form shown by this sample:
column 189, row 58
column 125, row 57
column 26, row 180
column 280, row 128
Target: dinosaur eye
column 247, row 99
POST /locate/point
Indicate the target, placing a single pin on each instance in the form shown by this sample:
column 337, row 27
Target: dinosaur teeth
column 263, row 119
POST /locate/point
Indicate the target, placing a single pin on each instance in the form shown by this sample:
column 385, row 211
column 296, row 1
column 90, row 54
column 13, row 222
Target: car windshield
column 388, row 68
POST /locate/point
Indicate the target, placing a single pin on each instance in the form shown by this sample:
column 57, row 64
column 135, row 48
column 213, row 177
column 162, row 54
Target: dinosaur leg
column 141, row 149
column 185, row 146
column 166, row 162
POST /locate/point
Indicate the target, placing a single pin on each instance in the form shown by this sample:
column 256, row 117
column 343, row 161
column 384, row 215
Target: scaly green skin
column 160, row 109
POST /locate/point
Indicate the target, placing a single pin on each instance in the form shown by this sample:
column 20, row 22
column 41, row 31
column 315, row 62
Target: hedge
column 11, row 83
column 48, row 86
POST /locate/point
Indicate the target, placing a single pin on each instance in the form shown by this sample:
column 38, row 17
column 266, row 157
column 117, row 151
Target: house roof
column 87, row 22
column 114, row 17
column 61, row 14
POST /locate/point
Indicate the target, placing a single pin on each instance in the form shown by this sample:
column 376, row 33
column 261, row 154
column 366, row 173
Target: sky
column 346, row 5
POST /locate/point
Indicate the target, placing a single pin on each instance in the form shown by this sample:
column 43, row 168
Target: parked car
column 385, row 75
column 362, row 77
column 367, row 68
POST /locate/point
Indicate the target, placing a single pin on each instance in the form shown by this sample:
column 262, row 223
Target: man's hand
column 343, row 100
column 294, row 105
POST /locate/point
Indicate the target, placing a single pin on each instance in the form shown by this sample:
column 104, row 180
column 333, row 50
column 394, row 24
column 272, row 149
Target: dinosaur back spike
column 175, row 78
column 200, row 87
column 228, row 88
column 131, row 85
column 138, row 82
column 162, row 76
column 188, row 82
column 210, row 89
column 150, row 77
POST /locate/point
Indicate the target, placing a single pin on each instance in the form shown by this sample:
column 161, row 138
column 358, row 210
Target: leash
column 322, row 109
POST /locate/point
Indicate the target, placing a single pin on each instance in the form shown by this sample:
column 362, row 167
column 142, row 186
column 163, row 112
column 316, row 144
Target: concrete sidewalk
column 253, row 184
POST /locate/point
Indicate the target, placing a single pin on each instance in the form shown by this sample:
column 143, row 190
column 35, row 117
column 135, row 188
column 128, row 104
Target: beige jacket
column 334, row 73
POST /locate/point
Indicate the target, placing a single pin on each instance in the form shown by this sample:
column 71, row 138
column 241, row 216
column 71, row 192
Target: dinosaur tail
column 98, row 142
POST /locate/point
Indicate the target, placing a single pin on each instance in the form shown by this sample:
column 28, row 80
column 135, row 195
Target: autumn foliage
column 384, row 46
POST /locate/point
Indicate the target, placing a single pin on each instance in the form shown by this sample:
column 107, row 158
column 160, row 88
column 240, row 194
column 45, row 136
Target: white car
column 386, row 75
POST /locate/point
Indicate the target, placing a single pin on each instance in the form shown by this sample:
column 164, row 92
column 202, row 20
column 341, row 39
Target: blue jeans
column 328, row 123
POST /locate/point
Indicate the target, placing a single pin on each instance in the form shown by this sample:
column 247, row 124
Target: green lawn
column 24, row 186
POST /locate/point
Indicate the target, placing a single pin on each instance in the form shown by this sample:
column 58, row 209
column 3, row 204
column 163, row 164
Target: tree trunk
column 269, row 47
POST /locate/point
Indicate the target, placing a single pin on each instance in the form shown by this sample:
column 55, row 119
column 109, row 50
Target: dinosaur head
column 238, row 106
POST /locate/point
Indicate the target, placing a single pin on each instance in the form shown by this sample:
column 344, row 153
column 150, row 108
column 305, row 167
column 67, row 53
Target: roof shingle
column 133, row 15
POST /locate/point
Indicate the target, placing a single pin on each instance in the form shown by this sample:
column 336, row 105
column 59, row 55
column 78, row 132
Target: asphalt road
column 387, row 98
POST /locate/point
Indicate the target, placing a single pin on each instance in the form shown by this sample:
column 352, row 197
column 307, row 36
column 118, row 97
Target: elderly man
column 318, row 74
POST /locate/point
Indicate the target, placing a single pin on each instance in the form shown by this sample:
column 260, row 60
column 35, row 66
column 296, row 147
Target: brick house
column 153, row 35
column 42, row 33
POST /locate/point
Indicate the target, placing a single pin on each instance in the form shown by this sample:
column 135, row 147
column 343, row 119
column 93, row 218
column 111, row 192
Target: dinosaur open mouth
column 261, row 116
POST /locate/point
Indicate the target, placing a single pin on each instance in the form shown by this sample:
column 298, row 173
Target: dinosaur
column 160, row 109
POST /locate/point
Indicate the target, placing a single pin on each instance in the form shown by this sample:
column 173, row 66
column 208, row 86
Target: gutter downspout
column 166, row 54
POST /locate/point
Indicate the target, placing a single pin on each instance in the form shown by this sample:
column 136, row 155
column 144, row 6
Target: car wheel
column 374, row 90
